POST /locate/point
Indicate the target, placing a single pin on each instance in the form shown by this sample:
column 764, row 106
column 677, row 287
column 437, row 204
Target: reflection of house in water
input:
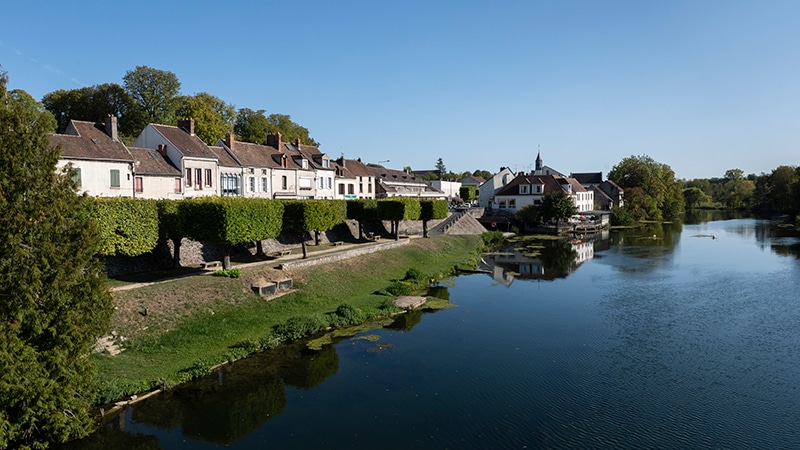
column 555, row 260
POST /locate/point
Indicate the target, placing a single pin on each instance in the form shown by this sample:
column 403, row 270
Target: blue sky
column 703, row 86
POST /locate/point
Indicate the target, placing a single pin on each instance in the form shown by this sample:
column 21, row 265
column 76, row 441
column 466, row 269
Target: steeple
column 539, row 160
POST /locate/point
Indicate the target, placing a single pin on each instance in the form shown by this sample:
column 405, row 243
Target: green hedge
column 433, row 209
column 230, row 220
column 313, row 215
column 399, row 208
column 127, row 226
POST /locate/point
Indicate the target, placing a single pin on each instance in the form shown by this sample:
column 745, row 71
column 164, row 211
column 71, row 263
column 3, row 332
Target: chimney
column 162, row 148
column 111, row 127
column 229, row 140
column 297, row 142
column 274, row 140
column 187, row 125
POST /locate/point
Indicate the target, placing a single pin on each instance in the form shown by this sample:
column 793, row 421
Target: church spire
column 539, row 160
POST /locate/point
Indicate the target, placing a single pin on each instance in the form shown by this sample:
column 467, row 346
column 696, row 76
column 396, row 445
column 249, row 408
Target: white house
column 526, row 190
column 103, row 165
column 489, row 187
column 154, row 175
column 197, row 162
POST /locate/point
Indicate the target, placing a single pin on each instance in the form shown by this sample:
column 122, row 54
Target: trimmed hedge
column 127, row 226
column 230, row 220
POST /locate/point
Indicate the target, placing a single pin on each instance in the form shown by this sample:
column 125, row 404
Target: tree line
column 777, row 192
column 149, row 95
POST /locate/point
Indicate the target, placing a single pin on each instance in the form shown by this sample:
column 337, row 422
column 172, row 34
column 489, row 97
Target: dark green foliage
column 155, row 92
column 296, row 328
column 313, row 215
column 345, row 315
column 491, row 238
column 661, row 193
column 94, row 104
column 289, row 130
column 432, row 210
column 413, row 274
column 251, row 126
column 213, row 117
column 558, row 206
column 695, row 198
column 529, row 214
column 230, row 220
column 399, row 208
column 362, row 209
column 469, row 193
column 127, row 226
column 399, row 288
column 53, row 302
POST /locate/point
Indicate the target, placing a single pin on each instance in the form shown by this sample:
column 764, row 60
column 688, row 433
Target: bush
column 296, row 328
column 399, row 288
column 491, row 238
column 413, row 274
column 230, row 273
column 345, row 315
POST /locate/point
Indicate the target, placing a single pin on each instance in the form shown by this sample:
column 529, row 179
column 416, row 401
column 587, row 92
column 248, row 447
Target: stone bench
column 265, row 288
column 337, row 243
column 210, row 264
column 280, row 253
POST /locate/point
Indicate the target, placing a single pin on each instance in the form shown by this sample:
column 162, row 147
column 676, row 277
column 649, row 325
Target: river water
column 676, row 336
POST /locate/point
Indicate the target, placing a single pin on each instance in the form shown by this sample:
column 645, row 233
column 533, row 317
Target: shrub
column 491, row 238
column 296, row 328
column 413, row 274
column 399, row 288
column 230, row 273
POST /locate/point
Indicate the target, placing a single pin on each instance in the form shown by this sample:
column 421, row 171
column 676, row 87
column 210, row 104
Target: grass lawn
column 196, row 322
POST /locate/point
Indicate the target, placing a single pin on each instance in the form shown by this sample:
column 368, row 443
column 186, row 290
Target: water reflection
column 550, row 261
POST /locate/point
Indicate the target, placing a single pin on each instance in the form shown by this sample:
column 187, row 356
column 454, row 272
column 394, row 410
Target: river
column 675, row 336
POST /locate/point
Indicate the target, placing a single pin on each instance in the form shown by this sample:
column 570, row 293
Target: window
column 284, row 183
column 321, row 183
column 114, row 178
column 304, row 163
column 512, row 203
column 188, row 177
column 341, row 189
column 326, row 163
column 229, row 184
column 208, row 177
column 330, row 183
column 178, row 185
column 251, row 184
column 360, row 188
column 305, row 183
column 198, row 182
column 523, row 189
column 369, row 188
column 138, row 185
column 502, row 204
column 263, row 171
column 351, row 189
column 264, row 184
column 76, row 176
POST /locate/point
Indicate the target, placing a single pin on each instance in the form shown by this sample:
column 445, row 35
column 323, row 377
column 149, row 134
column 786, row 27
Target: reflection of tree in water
column 439, row 292
column 311, row 368
column 557, row 259
column 405, row 322
column 112, row 437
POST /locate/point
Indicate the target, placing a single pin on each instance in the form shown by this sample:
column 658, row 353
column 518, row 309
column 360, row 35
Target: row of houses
column 171, row 162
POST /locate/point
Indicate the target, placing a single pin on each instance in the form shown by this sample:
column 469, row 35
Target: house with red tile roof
column 530, row 189
column 353, row 179
column 155, row 176
column 197, row 162
column 102, row 165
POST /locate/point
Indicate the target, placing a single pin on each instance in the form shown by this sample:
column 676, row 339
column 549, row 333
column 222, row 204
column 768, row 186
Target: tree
column 213, row 117
column 397, row 209
column 694, row 197
column 306, row 216
column 251, row 126
column 558, row 205
column 432, row 210
column 155, row 91
column 529, row 215
column 93, row 104
column 663, row 193
column 485, row 174
column 54, row 304
column 290, row 131
column 441, row 170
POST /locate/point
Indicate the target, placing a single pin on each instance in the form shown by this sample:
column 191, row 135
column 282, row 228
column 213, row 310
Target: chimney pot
column 187, row 125
column 229, row 141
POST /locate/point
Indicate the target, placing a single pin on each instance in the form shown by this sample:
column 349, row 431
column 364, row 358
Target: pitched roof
column 381, row 173
column 151, row 162
column 551, row 184
column 89, row 140
column 588, row 177
column 224, row 159
column 188, row 144
column 352, row 168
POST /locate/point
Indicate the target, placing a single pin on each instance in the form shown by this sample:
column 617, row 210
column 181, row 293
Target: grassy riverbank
column 179, row 329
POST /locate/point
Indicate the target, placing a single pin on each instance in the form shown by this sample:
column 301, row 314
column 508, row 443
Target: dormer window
column 304, row 163
column 326, row 163
column 524, row 189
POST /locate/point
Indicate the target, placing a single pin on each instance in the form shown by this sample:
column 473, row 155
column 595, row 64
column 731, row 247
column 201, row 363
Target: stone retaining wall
column 344, row 254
